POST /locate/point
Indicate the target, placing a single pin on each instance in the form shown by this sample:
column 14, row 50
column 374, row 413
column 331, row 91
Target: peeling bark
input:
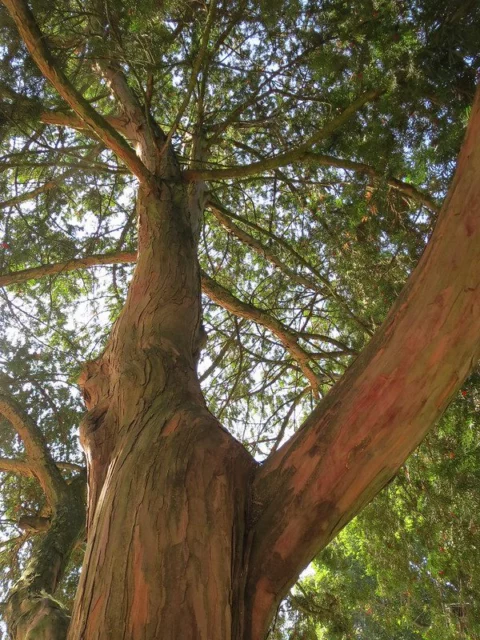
column 168, row 485
column 187, row 536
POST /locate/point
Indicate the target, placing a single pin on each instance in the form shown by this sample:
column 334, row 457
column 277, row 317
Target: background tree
column 306, row 147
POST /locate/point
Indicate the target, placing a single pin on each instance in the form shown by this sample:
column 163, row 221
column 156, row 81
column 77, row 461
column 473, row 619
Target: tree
column 227, row 108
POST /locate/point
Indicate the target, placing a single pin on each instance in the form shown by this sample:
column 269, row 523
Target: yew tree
column 246, row 191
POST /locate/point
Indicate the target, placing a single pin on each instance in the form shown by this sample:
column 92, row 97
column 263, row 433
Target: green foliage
column 273, row 74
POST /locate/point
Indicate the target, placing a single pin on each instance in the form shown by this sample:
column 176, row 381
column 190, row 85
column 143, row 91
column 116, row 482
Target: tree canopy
column 324, row 135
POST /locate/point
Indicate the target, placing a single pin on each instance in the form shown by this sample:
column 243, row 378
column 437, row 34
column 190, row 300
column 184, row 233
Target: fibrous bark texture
column 188, row 537
column 182, row 520
column 168, row 485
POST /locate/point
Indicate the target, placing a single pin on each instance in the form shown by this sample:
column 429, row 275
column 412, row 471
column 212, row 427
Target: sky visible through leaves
column 321, row 245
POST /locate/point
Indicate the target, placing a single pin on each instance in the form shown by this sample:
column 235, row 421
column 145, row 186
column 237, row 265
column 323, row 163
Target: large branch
column 20, row 467
column 310, row 157
column 73, row 121
column 122, row 257
column 58, row 117
column 289, row 157
column 24, row 468
column 135, row 124
column 35, row 43
column 213, row 289
column 359, row 436
column 288, row 338
column 38, row 456
column 31, row 611
column 139, row 127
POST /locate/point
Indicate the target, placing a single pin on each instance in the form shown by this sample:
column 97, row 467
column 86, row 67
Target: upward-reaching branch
column 197, row 65
column 38, row 456
column 358, row 437
column 294, row 155
column 139, row 126
column 35, row 43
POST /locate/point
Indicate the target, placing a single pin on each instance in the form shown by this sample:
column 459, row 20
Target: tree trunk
column 168, row 484
column 167, row 541
column 187, row 539
column 186, row 536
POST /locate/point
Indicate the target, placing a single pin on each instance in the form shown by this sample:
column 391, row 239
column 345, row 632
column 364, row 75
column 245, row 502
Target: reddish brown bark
column 172, row 552
column 187, row 537
column 358, row 437
column 168, row 485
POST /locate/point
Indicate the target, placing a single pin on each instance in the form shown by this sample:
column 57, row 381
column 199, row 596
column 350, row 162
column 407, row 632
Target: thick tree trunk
column 168, row 485
column 187, row 539
column 165, row 556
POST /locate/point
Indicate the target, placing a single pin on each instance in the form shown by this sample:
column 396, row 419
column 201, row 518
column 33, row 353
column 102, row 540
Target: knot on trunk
column 36, row 617
column 94, row 381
